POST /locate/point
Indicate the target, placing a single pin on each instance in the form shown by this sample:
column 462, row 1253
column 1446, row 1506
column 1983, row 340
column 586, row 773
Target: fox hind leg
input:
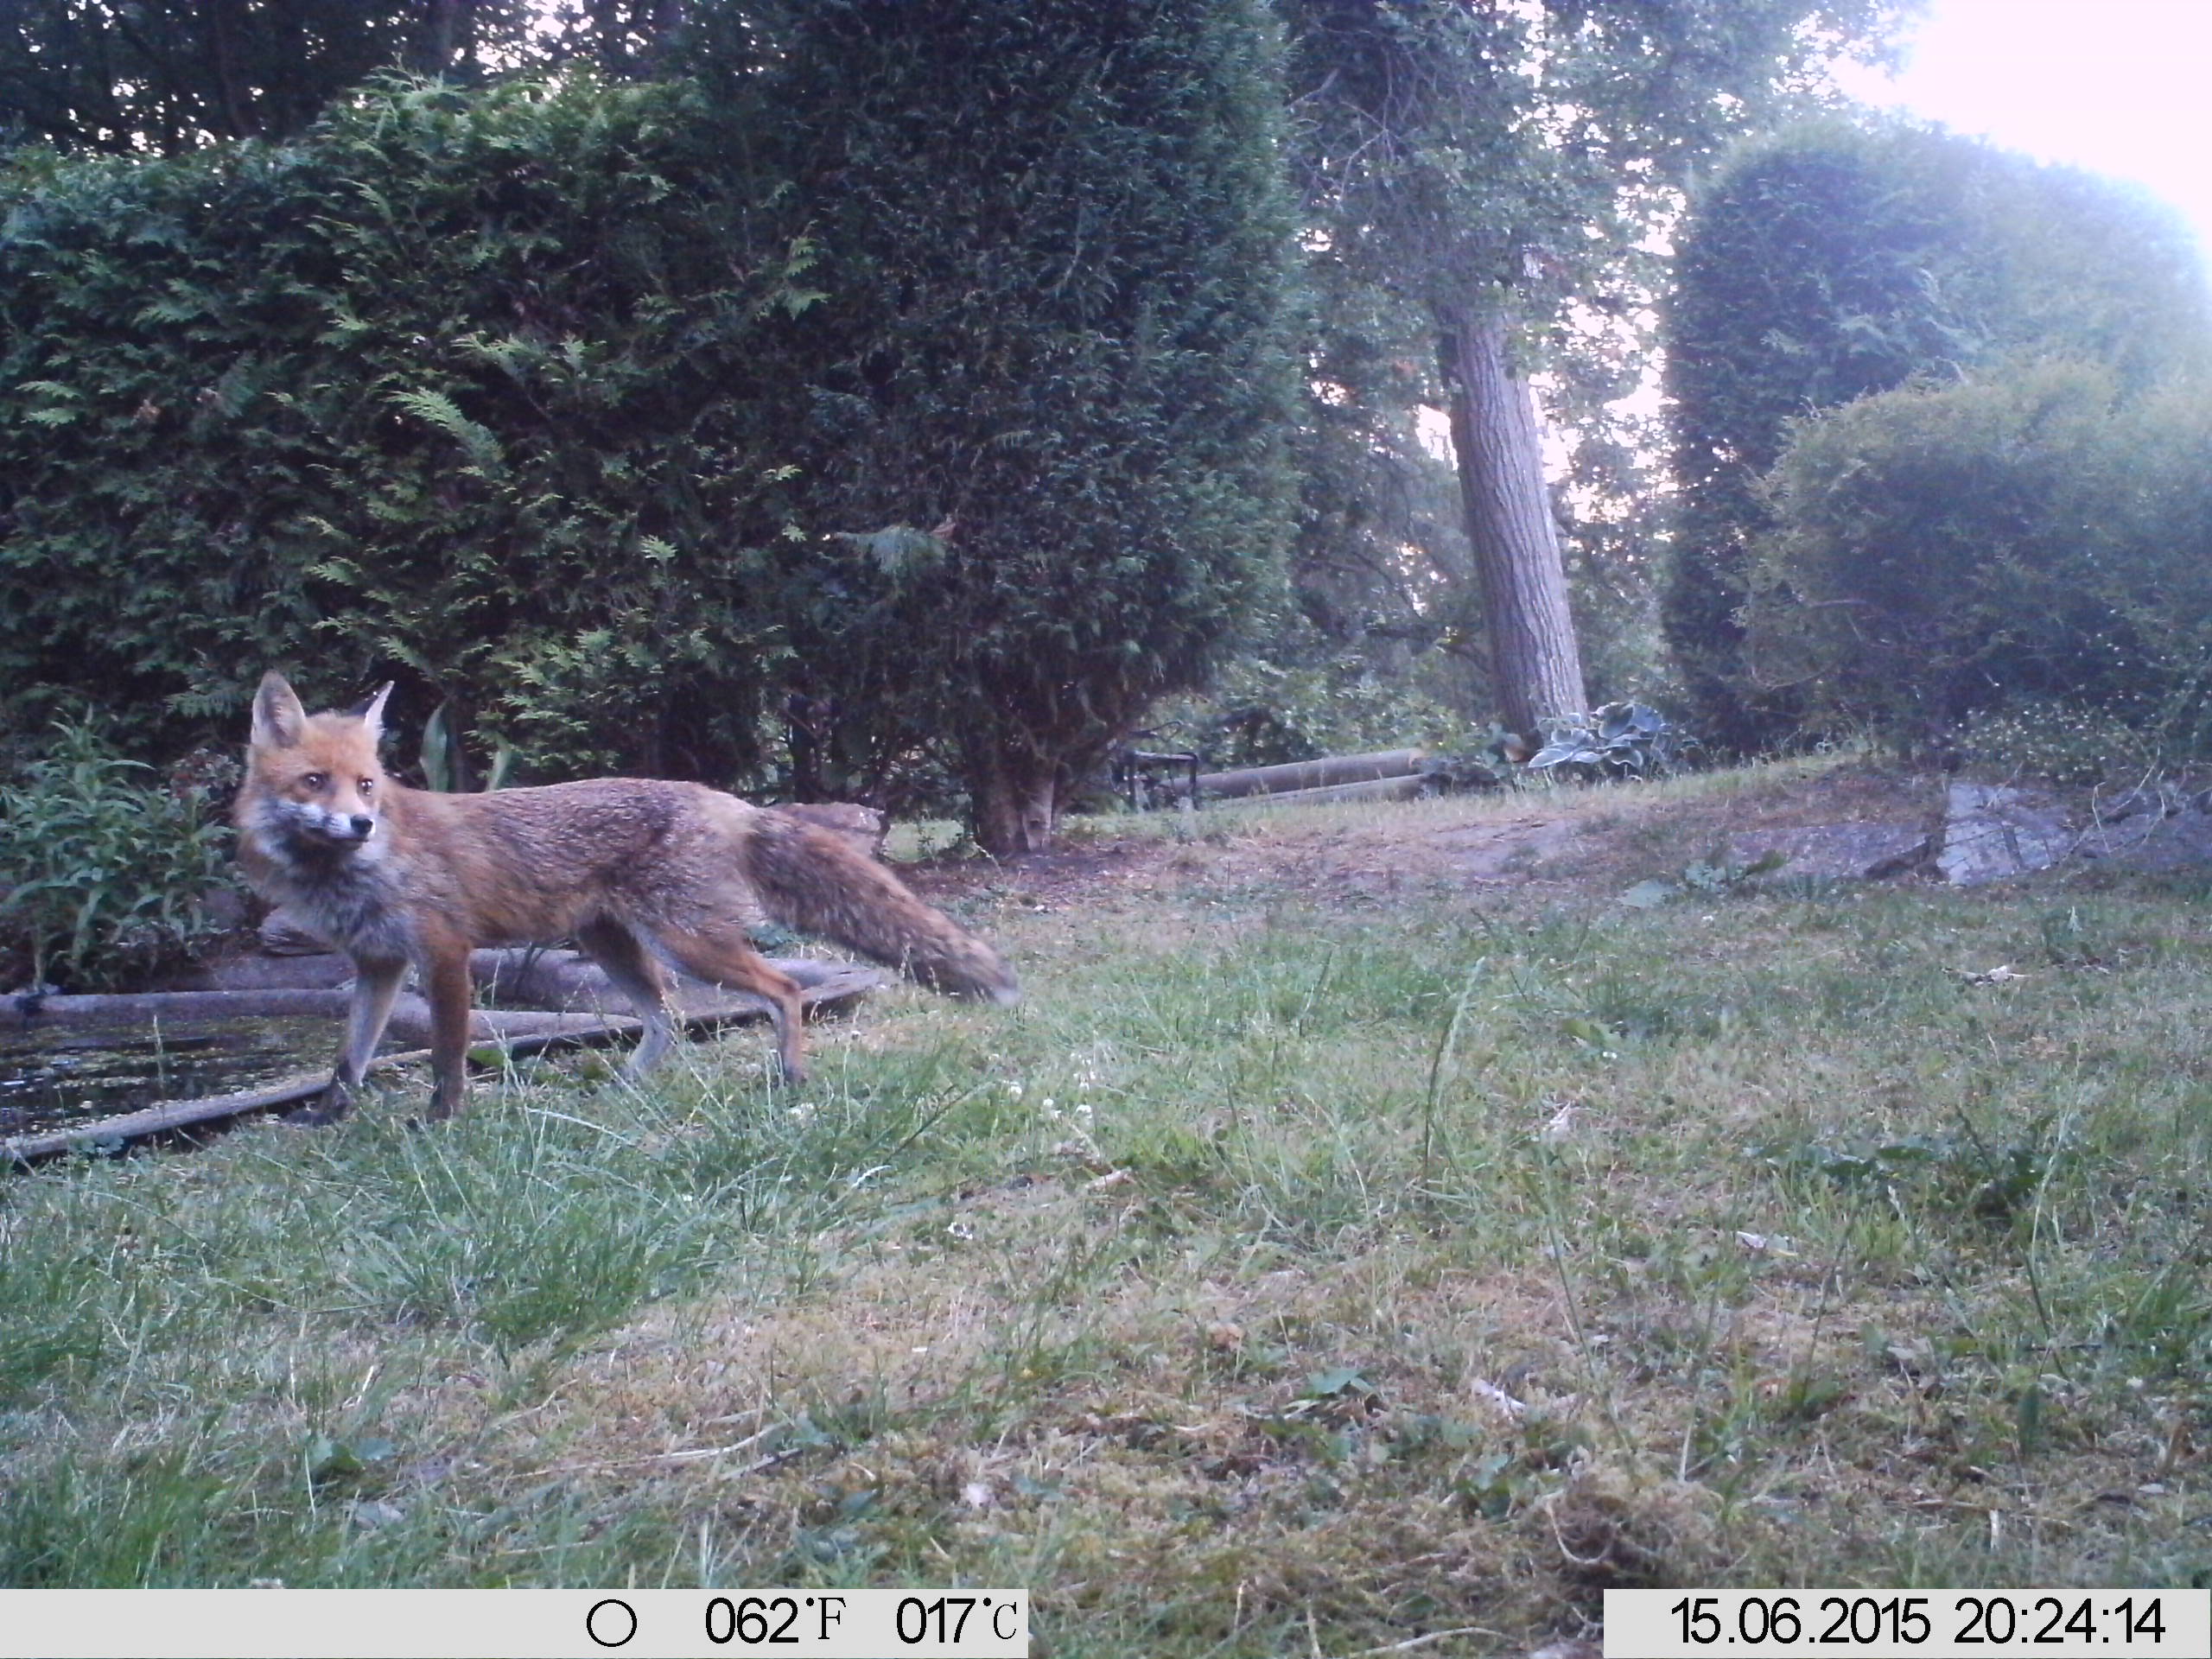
column 721, row 955
column 622, row 955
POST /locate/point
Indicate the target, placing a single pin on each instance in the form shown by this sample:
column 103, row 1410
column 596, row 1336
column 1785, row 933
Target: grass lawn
column 1368, row 1229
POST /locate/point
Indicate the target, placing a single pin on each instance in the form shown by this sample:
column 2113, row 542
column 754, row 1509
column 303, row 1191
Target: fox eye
column 368, row 786
column 315, row 780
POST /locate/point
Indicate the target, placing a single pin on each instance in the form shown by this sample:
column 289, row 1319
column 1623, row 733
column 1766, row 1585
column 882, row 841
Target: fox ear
column 279, row 719
column 371, row 713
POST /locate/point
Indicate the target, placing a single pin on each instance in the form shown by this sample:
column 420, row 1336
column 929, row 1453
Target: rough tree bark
column 446, row 36
column 1014, row 796
column 1536, row 663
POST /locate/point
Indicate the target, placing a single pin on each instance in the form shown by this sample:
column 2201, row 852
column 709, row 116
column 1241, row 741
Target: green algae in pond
column 60, row 1077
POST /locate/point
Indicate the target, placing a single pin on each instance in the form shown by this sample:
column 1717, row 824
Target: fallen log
column 1375, row 789
column 1311, row 774
column 831, row 992
column 563, row 981
column 249, row 970
column 411, row 1014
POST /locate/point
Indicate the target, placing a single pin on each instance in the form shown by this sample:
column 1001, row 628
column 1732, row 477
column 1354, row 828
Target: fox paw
column 332, row 1104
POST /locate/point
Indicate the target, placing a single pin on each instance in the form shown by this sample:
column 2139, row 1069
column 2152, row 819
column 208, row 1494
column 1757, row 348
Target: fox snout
column 340, row 826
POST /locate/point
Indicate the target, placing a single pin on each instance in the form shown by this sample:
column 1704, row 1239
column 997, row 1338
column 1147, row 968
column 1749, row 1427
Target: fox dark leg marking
column 376, row 984
column 639, row 977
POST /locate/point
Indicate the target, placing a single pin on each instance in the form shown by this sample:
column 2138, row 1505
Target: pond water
column 60, row 1077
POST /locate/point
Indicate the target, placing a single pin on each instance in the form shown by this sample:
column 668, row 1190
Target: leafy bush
column 1618, row 740
column 1833, row 261
column 526, row 398
column 2030, row 538
column 2063, row 744
column 460, row 390
column 103, row 873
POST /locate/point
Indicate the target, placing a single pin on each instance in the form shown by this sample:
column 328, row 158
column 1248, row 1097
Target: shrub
column 2063, row 744
column 2027, row 538
column 456, row 390
column 1056, row 242
column 1834, row 260
column 104, row 874
column 1620, row 739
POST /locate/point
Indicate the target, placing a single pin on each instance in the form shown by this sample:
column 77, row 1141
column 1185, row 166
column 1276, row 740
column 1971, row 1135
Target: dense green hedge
column 2029, row 540
column 1058, row 259
column 526, row 395
column 1834, row 260
column 458, row 387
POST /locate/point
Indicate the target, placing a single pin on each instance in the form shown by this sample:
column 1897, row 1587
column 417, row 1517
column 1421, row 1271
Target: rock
column 1991, row 832
column 1836, row 852
column 2155, row 800
column 2161, row 843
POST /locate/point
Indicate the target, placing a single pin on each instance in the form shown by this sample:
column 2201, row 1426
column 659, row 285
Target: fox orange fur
column 633, row 869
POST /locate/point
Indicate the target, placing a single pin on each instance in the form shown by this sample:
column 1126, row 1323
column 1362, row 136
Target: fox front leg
column 376, row 984
column 447, row 974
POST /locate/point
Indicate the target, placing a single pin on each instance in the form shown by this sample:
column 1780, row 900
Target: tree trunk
column 445, row 37
column 1014, row 798
column 222, row 49
column 1535, row 664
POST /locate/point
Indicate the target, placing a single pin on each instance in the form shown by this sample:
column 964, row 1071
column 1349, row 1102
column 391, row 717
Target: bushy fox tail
column 813, row 880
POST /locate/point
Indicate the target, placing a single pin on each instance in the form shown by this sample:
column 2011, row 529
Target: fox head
column 313, row 781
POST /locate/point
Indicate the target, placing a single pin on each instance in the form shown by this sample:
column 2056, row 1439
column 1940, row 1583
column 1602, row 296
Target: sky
column 2117, row 86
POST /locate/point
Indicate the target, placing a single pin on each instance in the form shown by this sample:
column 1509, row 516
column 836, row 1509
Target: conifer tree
column 1056, row 258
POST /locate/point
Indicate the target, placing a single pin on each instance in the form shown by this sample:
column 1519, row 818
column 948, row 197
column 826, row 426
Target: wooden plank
column 833, row 989
column 142, row 1007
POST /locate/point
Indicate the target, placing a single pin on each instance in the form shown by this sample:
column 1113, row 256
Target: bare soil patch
column 1557, row 842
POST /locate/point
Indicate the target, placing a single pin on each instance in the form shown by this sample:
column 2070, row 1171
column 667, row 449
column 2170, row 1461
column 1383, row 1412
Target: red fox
column 631, row 869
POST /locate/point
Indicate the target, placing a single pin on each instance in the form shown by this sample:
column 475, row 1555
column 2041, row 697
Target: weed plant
column 104, row 873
